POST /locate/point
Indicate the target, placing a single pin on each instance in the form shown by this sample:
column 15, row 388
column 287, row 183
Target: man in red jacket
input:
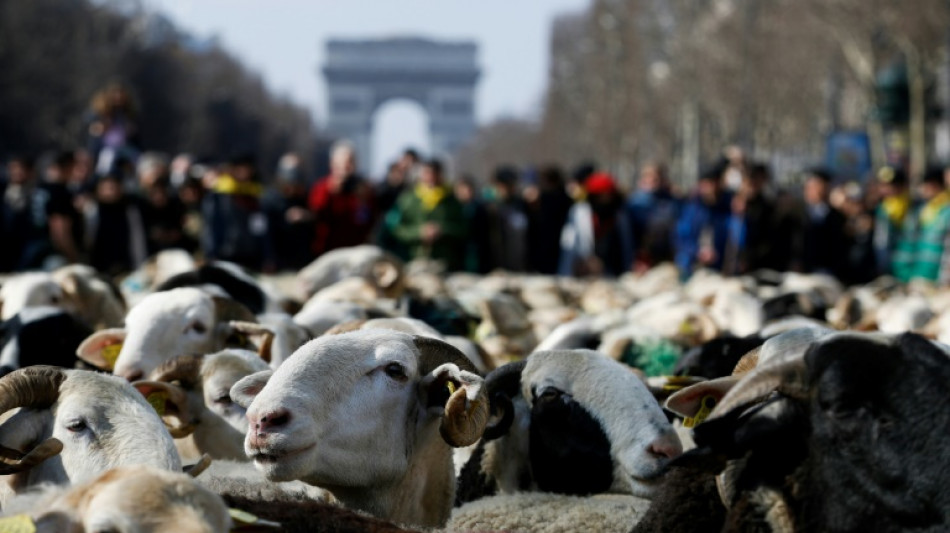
column 342, row 204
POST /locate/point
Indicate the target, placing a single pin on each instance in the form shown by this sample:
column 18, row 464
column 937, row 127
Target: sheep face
column 359, row 411
column 164, row 325
column 219, row 373
column 101, row 422
column 846, row 443
column 594, row 421
column 32, row 289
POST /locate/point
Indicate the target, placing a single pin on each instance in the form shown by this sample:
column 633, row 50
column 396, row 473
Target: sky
column 284, row 41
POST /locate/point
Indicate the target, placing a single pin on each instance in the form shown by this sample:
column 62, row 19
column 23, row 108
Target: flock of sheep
column 362, row 394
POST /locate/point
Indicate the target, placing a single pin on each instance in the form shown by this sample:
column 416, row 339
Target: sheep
column 288, row 335
column 371, row 416
column 231, row 279
column 382, row 269
column 166, row 324
column 40, row 336
column 89, row 422
column 551, row 513
column 77, row 289
column 29, row 289
column 834, row 435
column 90, row 296
column 571, row 422
column 130, row 498
column 198, row 395
column 317, row 316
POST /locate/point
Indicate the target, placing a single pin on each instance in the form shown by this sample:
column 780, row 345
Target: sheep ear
column 244, row 391
column 251, row 335
column 461, row 398
column 386, row 274
column 451, row 385
column 101, row 349
column 690, row 401
column 168, row 400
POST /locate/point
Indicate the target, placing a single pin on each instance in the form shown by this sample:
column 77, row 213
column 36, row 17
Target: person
column 115, row 232
column 64, row 220
column 291, row 221
column 890, row 214
column 822, row 243
column 507, row 223
column 164, row 216
column 112, row 130
column 342, row 204
column 759, row 212
column 706, row 225
column 548, row 205
column 23, row 209
column 235, row 225
column 476, row 248
column 428, row 220
column 596, row 238
column 861, row 265
column 401, row 173
column 652, row 211
column 923, row 251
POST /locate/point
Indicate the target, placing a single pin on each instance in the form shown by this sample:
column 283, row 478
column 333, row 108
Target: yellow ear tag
column 157, row 401
column 674, row 383
column 20, row 523
column 450, row 386
column 686, row 328
column 111, row 353
column 705, row 407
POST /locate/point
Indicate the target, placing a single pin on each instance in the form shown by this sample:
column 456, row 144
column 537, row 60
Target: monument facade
column 362, row 75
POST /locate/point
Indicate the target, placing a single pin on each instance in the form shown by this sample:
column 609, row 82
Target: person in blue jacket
column 708, row 234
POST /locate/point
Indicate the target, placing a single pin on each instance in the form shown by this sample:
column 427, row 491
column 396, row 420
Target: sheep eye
column 549, row 393
column 396, row 371
column 224, row 399
column 198, row 327
column 76, row 425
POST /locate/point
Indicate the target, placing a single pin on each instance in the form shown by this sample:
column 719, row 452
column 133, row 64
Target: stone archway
column 440, row 76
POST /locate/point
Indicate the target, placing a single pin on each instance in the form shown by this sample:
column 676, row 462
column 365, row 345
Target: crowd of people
column 73, row 207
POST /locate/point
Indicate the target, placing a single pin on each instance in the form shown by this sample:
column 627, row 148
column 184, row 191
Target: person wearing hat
column 890, row 214
column 923, row 251
column 596, row 238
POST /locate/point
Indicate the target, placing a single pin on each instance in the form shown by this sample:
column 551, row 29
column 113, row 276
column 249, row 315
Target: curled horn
column 184, row 369
column 463, row 418
column 35, row 386
column 43, row 451
column 787, row 378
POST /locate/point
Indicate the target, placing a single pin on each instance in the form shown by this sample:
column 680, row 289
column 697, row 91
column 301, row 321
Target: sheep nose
column 272, row 421
column 665, row 447
column 131, row 375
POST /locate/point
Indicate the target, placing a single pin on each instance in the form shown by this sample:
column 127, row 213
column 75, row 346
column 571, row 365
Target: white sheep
column 89, row 422
column 371, row 416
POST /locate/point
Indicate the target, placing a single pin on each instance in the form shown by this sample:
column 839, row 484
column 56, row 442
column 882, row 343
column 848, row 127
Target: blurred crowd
column 113, row 214
column 111, row 205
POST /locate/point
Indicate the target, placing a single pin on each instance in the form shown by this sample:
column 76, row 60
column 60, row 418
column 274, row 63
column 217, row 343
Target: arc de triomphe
column 362, row 75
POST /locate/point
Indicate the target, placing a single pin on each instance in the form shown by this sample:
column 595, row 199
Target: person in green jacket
column 923, row 251
column 428, row 220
